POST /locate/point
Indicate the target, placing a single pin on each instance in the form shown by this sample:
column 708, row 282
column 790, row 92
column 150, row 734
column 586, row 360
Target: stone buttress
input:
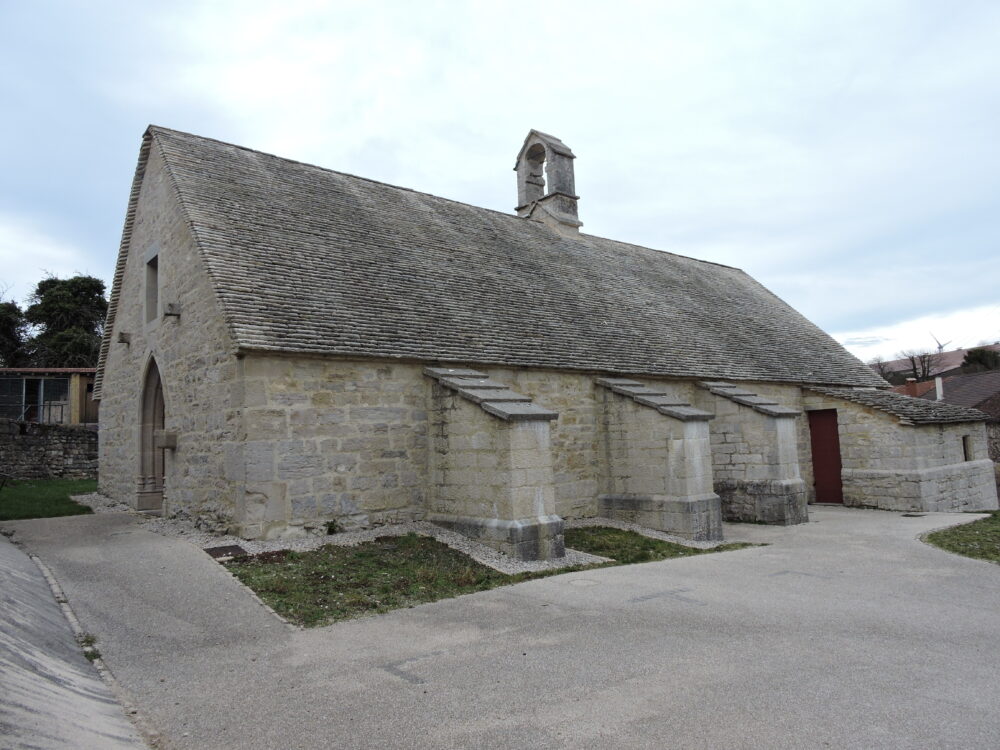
column 658, row 460
column 755, row 457
column 491, row 465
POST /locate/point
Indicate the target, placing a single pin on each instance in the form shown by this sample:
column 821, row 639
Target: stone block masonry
column 755, row 455
column 658, row 464
column 491, row 465
column 329, row 441
column 47, row 451
column 915, row 467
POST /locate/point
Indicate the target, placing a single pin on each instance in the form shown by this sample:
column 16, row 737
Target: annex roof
column 908, row 408
column 970, row 390
column 308, row 260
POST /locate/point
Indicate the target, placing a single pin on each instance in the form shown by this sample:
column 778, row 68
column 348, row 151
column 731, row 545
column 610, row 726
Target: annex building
column 289, row 346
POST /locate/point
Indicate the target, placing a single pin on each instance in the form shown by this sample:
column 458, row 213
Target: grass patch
column 979, row 539
column 627, row 547
column 338, row 583
column 43, row 498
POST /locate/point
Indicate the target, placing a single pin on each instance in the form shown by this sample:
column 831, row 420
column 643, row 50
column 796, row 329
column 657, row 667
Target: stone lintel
column 453, row 372
column 479, row 395
column 518, row 411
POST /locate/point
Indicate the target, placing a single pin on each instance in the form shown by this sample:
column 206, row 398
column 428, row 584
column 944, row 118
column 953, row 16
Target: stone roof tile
column 907, row 408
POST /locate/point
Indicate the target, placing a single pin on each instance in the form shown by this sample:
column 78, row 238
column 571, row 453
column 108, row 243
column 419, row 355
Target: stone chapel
column 288, row 347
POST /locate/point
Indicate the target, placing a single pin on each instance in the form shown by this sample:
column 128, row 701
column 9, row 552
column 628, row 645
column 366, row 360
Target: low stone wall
column 46, row 451
column 952, row 488
column 993, row 446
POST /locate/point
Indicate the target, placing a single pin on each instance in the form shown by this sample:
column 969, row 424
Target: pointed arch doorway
column 151, row 464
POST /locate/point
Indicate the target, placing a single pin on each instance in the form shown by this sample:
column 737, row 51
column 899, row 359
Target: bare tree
column 880, row 366
column 922, row 363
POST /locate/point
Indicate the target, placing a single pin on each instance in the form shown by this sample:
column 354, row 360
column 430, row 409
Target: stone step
column 655, row 398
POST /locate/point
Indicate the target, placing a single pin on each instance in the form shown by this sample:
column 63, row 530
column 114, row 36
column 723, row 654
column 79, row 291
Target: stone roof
column 910, row 410
column 308, row 260
column 970, row 390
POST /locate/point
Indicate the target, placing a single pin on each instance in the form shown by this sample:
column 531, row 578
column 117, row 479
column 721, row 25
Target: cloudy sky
column 843, row 153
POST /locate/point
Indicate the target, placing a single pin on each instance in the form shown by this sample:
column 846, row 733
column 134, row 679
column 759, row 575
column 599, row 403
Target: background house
column 53, row 395
column 926, row 365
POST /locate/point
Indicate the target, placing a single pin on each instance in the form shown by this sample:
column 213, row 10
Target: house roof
column 970, row 390
column 910, row 410
column 915, row 389
column 942, row 361
column 308, row 260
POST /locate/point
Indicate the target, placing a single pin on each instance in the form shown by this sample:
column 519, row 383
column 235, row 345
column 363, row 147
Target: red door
column 825, row 440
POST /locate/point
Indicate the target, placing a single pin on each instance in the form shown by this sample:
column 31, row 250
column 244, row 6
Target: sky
column 845, row 154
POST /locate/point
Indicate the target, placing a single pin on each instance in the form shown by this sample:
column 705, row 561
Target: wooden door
column 150, row 492
column 825, row 439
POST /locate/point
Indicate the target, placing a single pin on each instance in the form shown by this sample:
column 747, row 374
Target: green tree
column 981, row 359
column 13, row 335
column 68, row 316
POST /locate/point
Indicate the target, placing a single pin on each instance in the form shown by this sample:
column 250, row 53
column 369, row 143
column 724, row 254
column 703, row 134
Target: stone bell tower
column 545, row 190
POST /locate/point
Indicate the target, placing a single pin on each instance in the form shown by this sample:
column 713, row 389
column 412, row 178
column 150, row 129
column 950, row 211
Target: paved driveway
column 844, row 633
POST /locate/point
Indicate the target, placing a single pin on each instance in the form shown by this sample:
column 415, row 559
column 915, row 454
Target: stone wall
column 46, row 451
column 197, row 364
column 993, row 448
column 329, row 440
column 576, row 452
column 893, row 466
column 993, row 440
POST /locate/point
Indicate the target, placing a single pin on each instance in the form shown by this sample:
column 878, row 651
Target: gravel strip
column 176, row 527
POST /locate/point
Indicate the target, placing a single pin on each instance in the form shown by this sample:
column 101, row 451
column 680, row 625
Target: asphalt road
column 847, row 632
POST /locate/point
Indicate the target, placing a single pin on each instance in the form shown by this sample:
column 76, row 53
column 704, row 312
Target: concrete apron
column 50, row 695
column 844, row 632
